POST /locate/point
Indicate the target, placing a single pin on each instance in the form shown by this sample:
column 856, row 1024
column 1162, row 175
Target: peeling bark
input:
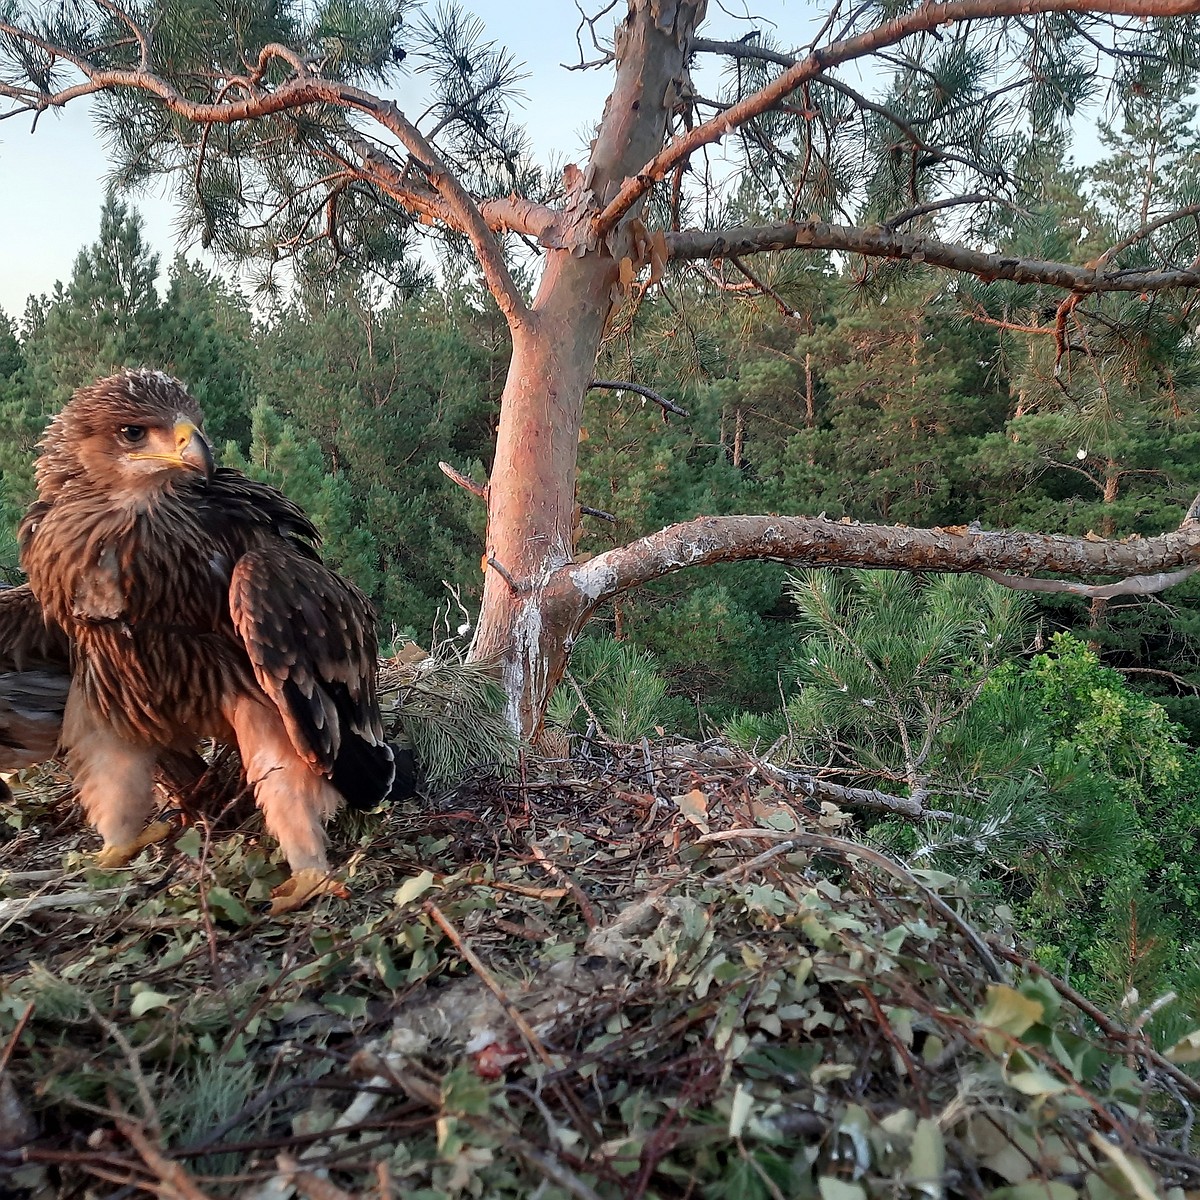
column 816, row 541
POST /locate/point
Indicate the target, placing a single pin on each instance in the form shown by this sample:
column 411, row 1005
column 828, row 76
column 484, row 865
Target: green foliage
column 1142, row 901
column 888, row 671
column 1052, row 781
column 612, row 686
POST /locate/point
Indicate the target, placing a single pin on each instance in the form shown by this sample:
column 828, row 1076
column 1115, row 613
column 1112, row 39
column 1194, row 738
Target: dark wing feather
column 311, row 640
column 233, row 505
column 35, row 676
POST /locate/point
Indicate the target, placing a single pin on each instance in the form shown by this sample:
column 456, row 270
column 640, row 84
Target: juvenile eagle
column 197, row 606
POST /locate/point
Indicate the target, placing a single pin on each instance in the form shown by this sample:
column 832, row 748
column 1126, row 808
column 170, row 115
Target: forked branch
column 816, row 541
column 301, row 90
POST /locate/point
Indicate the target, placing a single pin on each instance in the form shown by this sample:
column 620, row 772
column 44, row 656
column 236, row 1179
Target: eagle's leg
column 295, row 800
column 115, row 782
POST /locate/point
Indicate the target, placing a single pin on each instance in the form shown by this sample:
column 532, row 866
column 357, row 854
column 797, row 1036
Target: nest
column 642, row 973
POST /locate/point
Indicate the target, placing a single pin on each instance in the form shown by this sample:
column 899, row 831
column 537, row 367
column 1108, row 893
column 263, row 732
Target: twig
column 15, row 909
column 504, row 574
column 15, row 1036
column 1101, row 1020
column 577, row 893
column 476, row 489
column 1176, row 679
column 554, row 1170
column 588, row 511
column 616, row 385
column 177, row 1183
column 134, row 1059
column 306, row 1183
column 1135, row 585
column 490, row 982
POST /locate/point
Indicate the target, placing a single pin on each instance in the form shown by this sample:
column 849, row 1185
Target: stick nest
column 650, row 974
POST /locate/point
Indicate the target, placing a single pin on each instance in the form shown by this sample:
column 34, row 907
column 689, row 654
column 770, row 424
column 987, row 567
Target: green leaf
column 740, row 1110
column 838, row 1189
column 1009, row 1011
column 1187, row 1049
column 228, row 906
column 412, row 889
column 1037, row 1082
column 189, row 843
column 928, row 1162
column 1035, row 1191
column 145, row 1001
column 348, row 1006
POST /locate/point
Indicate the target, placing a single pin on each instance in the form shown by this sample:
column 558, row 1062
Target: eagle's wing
column 311, row 640
column 35, row 676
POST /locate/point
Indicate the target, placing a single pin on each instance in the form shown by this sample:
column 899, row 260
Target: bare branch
column 1189, row 210
column 1135, row 585
column 816, row 541
column 872, row 799
column 617, row 385
column 878, row 242
column 925, row 18
column 743, row 49
column 1177, row 679
column 476, row 489
column 599, row 513
column 505, row 574
column 765, row 288
column 922, row 210
column 143, row 38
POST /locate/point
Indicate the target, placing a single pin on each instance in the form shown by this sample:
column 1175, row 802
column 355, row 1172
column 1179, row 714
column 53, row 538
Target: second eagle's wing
column 35, row 676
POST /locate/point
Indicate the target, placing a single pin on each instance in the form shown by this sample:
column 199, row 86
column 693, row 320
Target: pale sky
column 52, row 182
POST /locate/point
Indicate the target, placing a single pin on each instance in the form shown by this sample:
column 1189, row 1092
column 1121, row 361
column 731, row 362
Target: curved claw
column 305, row 885
column 120, row 856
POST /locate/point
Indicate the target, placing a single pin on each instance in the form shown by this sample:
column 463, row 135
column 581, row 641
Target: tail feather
column 363, row 772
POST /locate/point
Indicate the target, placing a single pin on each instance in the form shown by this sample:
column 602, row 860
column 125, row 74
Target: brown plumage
column 35, row 673
column 198, row 607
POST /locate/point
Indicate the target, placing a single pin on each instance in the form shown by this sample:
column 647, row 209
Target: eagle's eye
column 132, row 434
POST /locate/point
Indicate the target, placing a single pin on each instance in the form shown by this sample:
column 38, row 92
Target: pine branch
column 301, row 90
column 879, row 242
column 924, row 19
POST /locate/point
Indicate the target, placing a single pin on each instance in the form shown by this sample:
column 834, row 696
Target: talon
column 305, row 885
column 120, row 856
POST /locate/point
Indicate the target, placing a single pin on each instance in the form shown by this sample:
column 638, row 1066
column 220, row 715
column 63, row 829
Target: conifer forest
column 818, row 460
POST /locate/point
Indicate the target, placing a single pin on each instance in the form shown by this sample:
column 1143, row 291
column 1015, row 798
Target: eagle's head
column 130, row 434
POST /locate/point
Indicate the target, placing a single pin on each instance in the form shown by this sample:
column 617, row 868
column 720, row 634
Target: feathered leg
column 115, row 782
column 295, row 801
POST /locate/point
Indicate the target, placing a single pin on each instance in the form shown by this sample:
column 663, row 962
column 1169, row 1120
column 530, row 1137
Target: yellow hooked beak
column 193, row 449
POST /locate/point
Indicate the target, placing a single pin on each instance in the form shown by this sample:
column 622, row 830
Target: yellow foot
column 119, row 856
column 305, row 885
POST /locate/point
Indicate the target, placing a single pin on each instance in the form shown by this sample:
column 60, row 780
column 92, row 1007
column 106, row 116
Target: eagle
column 197, row 606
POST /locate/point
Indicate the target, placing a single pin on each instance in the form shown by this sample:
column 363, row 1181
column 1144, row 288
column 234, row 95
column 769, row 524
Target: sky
column 52, row 182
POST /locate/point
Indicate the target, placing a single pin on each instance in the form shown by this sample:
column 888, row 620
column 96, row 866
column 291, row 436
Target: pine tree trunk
column 528, row 620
